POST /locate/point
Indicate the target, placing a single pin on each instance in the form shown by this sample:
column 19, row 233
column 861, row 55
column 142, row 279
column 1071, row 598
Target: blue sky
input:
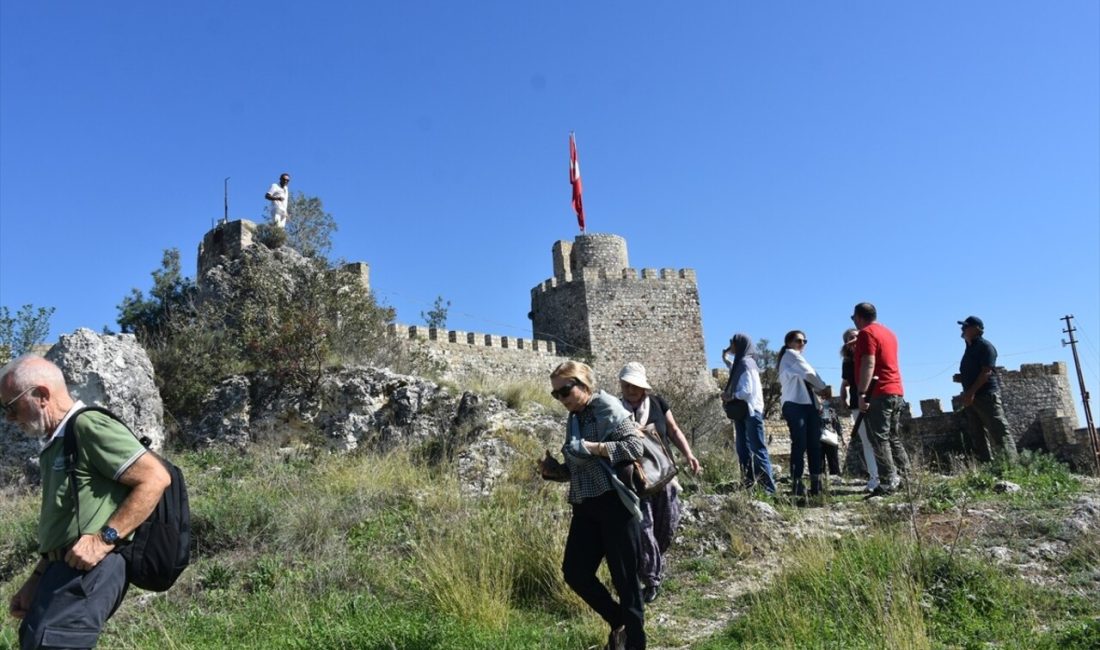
column 939, row 159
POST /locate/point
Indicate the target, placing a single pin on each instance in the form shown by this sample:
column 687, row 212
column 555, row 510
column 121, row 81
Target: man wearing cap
column 981, row 398
column 876, row 358
column 661, row 511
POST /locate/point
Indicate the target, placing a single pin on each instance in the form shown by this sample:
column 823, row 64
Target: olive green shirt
column 105, row 449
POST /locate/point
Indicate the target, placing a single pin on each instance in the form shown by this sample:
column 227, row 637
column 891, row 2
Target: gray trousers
column 883, row 419
column 988, row 434
column 71, row 606
column 660, row 519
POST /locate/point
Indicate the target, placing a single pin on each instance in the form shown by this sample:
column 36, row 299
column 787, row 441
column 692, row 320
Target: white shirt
column 748, row 388
column 794, row 371
column 60, row 430
column 279, row 208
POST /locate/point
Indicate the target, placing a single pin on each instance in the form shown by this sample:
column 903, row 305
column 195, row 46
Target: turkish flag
column 575, row 180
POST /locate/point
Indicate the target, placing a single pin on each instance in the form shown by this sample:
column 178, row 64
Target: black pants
column 603, row 528
column 71, row 606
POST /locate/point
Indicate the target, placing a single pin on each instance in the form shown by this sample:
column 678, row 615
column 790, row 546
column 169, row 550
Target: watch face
column 110, row 535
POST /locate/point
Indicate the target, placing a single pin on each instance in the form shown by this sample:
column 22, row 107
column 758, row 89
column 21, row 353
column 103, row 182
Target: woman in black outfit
column 606, row 519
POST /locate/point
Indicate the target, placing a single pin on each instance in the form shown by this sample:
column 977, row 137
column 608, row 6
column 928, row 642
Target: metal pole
column 1084, row 392
column 225, row 219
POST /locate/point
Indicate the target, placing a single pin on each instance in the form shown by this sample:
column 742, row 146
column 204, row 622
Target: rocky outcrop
column 108, row 370
column 350, row 406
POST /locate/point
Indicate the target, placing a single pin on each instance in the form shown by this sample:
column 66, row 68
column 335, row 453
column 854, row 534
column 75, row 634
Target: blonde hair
column 578, row 372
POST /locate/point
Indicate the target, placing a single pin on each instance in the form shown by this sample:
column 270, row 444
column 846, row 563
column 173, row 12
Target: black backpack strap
column 70, row 442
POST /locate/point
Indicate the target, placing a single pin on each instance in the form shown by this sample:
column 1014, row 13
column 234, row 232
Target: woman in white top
column 796, row 378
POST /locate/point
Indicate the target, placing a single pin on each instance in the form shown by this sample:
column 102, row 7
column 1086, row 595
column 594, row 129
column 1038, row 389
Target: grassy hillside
column 308, row 550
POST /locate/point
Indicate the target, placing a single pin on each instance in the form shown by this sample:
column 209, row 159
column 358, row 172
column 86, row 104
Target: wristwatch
column 109, row 535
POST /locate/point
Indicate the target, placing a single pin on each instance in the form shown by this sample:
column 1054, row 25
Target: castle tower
column 599, row 309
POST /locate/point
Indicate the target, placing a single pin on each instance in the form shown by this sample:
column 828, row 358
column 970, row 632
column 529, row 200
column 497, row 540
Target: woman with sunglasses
column 606, row 520
column 796, row 379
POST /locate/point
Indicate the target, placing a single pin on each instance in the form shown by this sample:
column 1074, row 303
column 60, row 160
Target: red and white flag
column 575, row 180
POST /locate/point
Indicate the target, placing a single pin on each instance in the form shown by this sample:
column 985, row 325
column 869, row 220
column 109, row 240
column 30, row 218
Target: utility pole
column 1072, row 342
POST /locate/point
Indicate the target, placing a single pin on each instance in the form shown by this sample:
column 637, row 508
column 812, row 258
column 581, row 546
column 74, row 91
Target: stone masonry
column 1038, row 405
column 598, row 309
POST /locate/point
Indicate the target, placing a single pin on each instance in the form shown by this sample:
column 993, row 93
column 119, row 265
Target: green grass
column 879, row 591
column 366, row 551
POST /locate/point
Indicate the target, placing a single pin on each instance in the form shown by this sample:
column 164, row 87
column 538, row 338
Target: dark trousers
column 804, row 423
column 71, row 606
column 603, row 528
column 988, row 434
column 832, row 458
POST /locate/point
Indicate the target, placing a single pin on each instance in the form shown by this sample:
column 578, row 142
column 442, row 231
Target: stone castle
column 595, row 308
column 599, row 309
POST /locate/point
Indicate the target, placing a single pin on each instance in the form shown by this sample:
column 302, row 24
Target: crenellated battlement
column 472, row 339
column 597, row 275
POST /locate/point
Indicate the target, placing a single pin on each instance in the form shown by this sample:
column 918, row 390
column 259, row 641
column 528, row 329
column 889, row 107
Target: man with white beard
column 79, row 581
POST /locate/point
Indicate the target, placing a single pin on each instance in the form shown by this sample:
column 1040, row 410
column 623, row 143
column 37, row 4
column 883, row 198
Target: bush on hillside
column 269, row 311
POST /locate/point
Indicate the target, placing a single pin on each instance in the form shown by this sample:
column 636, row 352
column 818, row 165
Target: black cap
column 972, row 321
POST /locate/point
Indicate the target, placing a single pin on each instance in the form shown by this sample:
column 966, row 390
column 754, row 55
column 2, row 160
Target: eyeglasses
column 562, row 392
column 802, row 341
column 9, row 408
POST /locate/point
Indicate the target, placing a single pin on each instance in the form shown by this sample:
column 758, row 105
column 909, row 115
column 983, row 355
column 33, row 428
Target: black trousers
column 71, row 606
column 602, row 528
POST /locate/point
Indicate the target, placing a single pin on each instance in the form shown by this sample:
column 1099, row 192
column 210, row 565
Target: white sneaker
column 871, row 485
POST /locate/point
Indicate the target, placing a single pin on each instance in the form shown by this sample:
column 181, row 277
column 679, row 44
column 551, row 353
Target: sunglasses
column 561, row 393
column 9, row 408
column 802, row 341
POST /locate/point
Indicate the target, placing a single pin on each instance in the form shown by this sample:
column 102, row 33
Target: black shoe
column 649, row 594
column 879, row 491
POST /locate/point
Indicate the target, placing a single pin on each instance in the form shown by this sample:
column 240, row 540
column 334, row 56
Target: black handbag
column 736, row 409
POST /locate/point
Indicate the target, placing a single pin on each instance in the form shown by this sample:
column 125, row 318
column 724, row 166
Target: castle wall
column 652, row 317
column 600, row 310
column 226, row 240
column 473, row 355
column 1035, row 396
column 1033, row 388
column 559, row 313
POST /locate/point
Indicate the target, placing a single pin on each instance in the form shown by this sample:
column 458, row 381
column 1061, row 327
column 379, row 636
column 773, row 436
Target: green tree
column 171, row 291
column 309, row 228
column 20, row 333
column 766, row 361
column 437, row 316
column 289, row 319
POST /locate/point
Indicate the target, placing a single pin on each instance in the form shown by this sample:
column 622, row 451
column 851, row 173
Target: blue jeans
column 804, row 423
column 752, row 452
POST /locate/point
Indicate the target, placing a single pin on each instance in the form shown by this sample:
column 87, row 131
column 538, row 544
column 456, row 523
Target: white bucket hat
column 633, row 373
